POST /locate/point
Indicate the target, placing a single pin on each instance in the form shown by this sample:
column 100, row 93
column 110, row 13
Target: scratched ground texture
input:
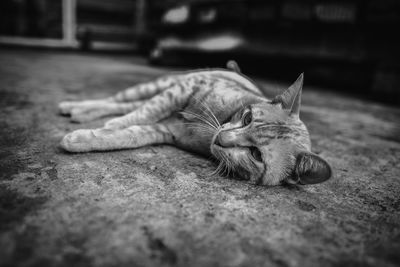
column 158, row 206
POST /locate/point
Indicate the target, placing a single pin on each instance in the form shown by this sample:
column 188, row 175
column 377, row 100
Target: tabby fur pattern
column 213, row 112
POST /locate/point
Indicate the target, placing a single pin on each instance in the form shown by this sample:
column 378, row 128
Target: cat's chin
column 214, row 147
column 216, row 150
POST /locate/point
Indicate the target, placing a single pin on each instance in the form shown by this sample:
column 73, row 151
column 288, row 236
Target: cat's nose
column 225, row 139
column 219, row 141
column 230, row 139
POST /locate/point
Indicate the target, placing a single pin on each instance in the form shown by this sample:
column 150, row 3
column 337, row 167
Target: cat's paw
column 68, row 107
column 86, row 140
column 78, row 141
column 81, row 115
column 65, row 107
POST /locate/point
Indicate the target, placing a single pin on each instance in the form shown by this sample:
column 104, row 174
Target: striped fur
column 214, row 112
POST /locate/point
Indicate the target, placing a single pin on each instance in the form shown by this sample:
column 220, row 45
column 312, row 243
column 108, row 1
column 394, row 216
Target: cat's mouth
column 215, row 146
column 218, row 143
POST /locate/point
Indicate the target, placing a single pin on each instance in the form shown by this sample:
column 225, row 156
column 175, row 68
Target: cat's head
column 267, row 143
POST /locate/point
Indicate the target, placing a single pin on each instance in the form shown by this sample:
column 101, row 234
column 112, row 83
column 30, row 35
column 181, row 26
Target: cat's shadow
column 292, row 187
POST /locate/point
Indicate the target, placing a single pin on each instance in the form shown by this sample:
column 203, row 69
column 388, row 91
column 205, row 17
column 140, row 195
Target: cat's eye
column 256, row 153
column 247, row 118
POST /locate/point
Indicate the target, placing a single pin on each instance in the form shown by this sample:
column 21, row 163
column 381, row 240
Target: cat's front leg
column 86, row 140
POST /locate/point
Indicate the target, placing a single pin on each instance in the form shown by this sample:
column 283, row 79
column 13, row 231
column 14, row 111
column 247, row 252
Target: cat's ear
column 290, row 99
column 311, row 169
column 232, row 65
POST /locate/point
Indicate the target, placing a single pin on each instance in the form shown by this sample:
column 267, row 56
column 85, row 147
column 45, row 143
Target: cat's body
column 216, row 112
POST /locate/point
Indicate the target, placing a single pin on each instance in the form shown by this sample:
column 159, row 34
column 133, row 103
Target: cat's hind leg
column 137, row 92
column 92, row 112
column 157, row 108
column 86, row 140
column 145, row 90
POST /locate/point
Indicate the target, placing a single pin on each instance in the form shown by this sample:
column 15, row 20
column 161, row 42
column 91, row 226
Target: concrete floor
column 158, row 206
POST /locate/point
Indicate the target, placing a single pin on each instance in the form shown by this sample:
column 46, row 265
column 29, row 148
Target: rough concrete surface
column 158, row 206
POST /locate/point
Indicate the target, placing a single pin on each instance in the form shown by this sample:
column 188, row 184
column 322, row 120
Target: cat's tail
column 233, row 66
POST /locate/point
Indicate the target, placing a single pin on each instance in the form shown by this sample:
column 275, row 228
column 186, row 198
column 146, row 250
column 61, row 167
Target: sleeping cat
column 218, row 112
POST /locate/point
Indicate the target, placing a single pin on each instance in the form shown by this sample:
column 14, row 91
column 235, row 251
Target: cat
column 217, row 112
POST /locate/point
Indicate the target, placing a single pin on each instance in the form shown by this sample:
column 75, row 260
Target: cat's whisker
column 228, row 170
column 231, row 166
column 221, row 165
column 191, row 123
column 212, row 117
column 203, row 128
column 208, row 117
column 199, row 117
column 225, row 165
column 225, row 171
column 215, row 118
column 211, row 113
column 196, row 124
column 217, row 170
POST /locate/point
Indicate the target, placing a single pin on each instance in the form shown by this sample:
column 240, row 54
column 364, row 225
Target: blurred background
column 351, row 45
column 159, row 206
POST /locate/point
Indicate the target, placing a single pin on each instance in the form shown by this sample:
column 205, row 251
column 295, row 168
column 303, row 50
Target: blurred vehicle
column 351, row 43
